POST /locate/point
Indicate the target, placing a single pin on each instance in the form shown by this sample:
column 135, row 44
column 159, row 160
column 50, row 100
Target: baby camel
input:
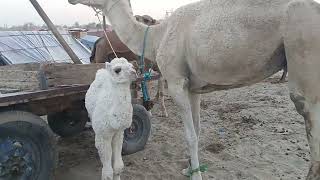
column 108, row 102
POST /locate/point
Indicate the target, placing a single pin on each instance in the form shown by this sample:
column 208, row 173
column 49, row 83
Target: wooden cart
column 57, row 91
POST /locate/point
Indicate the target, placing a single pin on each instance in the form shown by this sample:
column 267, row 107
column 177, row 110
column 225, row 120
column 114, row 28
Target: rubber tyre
column 37, row 139
column 135, row 141
column 68, row 123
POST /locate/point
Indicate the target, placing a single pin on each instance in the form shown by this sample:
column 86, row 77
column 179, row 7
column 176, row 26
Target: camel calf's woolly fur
column 108, row 102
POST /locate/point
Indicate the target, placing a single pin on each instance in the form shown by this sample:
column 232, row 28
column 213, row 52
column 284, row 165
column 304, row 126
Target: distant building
column 98, row 32
column 78, row 32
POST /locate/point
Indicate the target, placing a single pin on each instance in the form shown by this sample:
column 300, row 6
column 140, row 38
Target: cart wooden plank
column 19, row 79
column 22, row 67
column 68, row 74
column 26, row 97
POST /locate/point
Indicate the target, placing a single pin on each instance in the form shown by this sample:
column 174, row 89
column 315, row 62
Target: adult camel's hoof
column 164, row 114
column 314, row 172
column 156, row 98
column 195, row 176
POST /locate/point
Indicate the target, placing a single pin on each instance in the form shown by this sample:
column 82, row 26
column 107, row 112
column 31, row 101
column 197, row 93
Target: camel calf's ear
column 135, row 65
column 108, row 66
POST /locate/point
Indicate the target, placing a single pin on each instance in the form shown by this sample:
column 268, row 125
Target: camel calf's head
column 121, row 71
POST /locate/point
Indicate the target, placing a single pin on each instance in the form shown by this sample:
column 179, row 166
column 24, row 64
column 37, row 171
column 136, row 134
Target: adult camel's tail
column 285, row 70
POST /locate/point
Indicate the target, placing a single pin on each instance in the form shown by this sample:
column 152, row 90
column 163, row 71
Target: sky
column 17, row 12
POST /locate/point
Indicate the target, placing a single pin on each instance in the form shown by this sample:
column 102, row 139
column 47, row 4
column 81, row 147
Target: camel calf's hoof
column 185, row 172
column 116, row 177
column 314, row 172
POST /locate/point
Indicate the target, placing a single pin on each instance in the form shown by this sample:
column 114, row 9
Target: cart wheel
column 27, row 147
column 136, row 137
column 69, row 122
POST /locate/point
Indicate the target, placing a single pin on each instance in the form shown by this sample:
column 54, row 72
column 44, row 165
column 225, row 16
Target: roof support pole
column 55, row 32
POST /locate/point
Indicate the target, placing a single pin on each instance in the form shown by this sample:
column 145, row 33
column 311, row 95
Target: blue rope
column 146, row 75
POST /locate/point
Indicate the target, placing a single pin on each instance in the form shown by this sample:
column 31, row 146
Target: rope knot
column 202, row 168
column 147, row 76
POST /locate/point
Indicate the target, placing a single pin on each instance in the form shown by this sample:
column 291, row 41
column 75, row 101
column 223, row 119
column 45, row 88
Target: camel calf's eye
column 117, row 70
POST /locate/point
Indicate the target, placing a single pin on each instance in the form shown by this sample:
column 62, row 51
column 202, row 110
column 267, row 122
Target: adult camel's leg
column 174, row 69
column 195, row 108
column 134, row 90
column 157, row 96
column 117, row 162
column 160, row 97
column 93, row 52
column 160, row 91
column 302, row 44
column 311, row 113
column 105, row 152
column 284, row 74
column 102, row 51
column 178, row 89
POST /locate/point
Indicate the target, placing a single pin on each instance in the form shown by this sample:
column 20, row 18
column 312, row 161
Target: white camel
column 108, row 102
column 221, row 44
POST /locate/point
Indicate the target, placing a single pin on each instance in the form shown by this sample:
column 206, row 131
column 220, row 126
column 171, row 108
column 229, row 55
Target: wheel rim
column 134, row 132
column 70, row 120
column 18, row 162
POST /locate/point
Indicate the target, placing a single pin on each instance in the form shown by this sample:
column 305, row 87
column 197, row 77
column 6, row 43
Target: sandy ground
column 247, row 133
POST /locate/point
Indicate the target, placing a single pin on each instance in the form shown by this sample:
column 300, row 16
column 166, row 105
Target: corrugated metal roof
column 17, row 47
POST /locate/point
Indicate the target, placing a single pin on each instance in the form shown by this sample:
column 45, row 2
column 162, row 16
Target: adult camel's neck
column 131, row 32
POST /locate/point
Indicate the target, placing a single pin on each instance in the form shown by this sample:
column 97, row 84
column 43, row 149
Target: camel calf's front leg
column 105, row 152
column 117, row 162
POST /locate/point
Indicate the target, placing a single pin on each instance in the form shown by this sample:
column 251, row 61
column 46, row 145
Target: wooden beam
column 26, row 97
column 21, row 67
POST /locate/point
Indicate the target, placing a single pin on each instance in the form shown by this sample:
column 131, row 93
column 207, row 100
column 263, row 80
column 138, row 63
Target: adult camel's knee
column 311, row 114
column 192, row 139
column 314, row 172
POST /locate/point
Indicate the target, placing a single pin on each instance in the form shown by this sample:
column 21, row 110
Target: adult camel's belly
column 235, row 71
column 235, row 75
column 240, row 49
